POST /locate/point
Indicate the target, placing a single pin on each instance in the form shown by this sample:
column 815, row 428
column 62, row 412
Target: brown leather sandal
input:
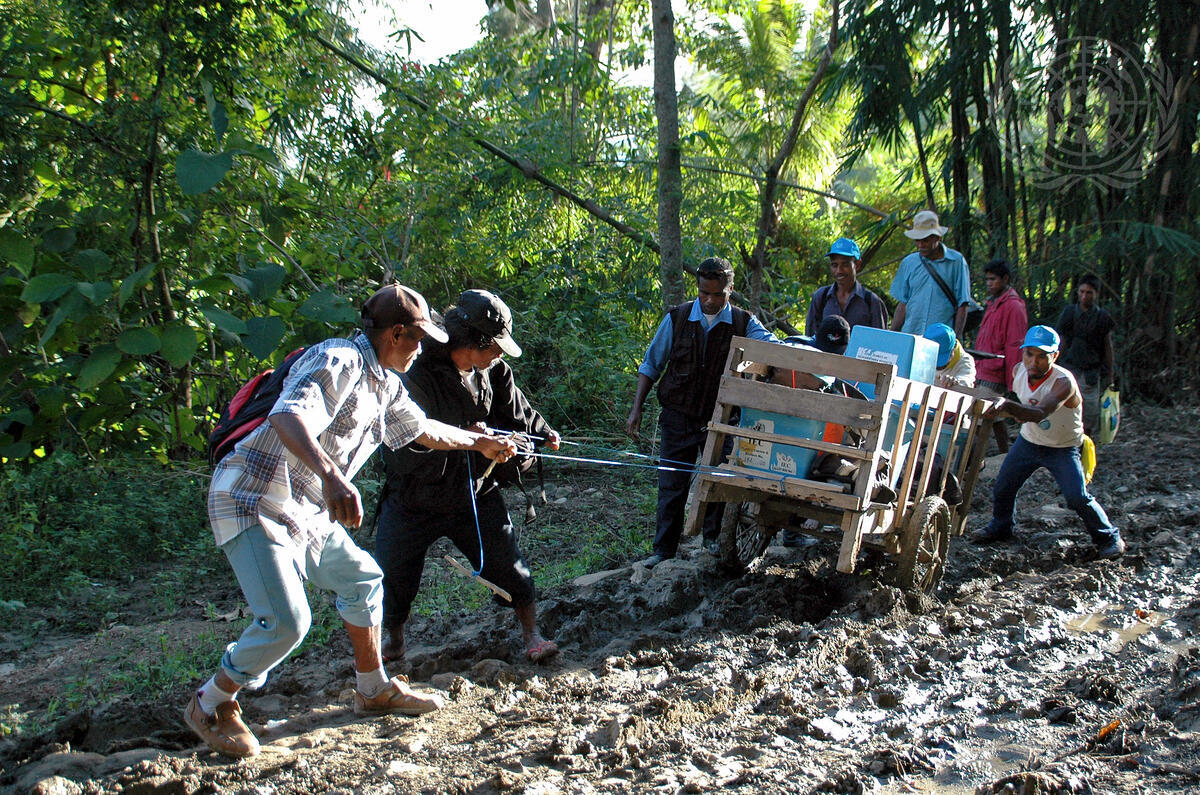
column 397, row 697
column 223, row 731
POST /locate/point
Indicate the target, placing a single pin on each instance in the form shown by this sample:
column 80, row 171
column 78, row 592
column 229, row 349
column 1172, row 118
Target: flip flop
column 542, row 651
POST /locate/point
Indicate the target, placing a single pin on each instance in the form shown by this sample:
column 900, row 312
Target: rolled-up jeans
column 271, row 580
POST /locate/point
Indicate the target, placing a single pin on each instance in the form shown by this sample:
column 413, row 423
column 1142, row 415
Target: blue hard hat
column 1043, row 338
column 945, row 338
column 846, row 247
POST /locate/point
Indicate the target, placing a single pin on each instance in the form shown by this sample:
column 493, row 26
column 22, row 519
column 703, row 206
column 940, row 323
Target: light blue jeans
column 273, row 585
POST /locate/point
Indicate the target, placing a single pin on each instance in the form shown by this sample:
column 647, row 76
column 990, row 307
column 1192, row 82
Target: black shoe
column 790, row 538
column 1113, row 549
column 712, row 545
column 990, row 534
column 653, row 560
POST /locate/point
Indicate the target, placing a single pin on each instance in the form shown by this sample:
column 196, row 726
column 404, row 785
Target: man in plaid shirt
column 280, row 504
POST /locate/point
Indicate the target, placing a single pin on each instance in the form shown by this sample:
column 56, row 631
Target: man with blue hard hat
column 1050, row 408
column 846, row 297
column 955, row 367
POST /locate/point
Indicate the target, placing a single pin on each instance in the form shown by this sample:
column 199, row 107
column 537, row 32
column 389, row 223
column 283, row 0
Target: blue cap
column 945, row 338
column 1043, row 338
column 846, row 247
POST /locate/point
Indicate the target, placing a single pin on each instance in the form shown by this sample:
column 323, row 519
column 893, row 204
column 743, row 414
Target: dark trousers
column 682, row 440
column 404, row 537
column 1023, row 459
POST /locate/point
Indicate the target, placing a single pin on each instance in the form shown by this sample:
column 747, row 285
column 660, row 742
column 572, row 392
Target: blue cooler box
column 915, row 357
column 781, row 459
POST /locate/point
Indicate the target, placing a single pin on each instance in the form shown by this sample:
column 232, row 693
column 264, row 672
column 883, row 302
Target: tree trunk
column 959, row 133
column 670, row 177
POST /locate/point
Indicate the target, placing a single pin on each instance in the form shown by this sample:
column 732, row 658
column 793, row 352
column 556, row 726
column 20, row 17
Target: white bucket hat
column 925, row 223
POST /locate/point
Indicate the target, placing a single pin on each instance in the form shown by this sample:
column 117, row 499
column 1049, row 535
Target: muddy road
column 1035, row 668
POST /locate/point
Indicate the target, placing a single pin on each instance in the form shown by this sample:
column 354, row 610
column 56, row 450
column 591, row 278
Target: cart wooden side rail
column 891, row 431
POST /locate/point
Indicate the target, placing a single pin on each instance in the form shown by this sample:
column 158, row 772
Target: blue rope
column 474, row 513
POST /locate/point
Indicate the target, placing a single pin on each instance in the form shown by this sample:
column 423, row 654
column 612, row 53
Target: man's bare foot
column 539, row 649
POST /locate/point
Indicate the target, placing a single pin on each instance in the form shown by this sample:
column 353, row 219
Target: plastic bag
column 1110, row 416
column 1087, row 457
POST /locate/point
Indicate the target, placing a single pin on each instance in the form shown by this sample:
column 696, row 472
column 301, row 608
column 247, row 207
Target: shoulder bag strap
column 940, row 282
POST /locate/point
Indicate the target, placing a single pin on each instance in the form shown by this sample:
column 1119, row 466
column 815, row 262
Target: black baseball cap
column 833, row 335
column 487, row 314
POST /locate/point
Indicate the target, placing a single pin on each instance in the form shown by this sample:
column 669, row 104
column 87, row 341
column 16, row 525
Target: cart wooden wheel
column 742, row 537
column 924, row 546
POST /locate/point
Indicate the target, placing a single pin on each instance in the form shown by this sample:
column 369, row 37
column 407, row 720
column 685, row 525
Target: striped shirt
column 350, row 404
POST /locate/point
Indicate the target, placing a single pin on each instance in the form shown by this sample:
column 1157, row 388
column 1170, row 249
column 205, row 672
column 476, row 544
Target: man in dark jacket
column 431, row 494
column 1087, row 347
column 691, row 345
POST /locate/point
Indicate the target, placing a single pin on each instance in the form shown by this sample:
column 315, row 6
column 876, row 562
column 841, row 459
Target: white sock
column 210, row 696
column 371, row 683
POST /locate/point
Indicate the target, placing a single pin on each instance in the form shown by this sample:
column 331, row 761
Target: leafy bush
column 67, row 521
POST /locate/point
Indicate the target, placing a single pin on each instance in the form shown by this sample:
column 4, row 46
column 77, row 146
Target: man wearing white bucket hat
column 932, row 284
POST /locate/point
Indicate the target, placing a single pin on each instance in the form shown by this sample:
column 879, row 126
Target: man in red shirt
column 1005, row 322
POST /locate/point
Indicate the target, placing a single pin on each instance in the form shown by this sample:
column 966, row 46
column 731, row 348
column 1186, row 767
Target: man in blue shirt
column 846, row 297
column 921, row 300
column 691, row 345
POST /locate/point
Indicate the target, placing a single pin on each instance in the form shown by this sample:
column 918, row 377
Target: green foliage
column 68, row 523
column 192, row 190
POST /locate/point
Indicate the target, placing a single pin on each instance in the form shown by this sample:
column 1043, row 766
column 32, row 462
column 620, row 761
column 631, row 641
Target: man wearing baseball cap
column 955, row 367
column 921, row 299
column 846, row 297
column 463, row 381
column 281, row 502
column 1050, row 408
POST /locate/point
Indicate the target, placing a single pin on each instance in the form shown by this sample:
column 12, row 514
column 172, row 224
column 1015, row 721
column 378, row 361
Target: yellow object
column 1110, row 416
column 1087, row 457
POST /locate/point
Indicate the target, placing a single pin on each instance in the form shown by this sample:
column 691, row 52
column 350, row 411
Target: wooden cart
column 892, row 497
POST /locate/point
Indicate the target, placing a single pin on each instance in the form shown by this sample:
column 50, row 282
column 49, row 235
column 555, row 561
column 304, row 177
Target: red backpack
column 249, row 408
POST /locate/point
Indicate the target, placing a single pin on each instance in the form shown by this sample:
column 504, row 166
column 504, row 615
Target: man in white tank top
column 1050, row 409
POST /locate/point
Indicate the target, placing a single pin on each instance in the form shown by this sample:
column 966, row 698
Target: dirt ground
column 1034, row 668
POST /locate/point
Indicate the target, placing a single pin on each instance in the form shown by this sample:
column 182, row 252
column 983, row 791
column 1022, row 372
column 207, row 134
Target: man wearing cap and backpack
column 1050, row 408
column 280, row 504
column 430, row 494
column 689, row 351
column 932, row 285
column 846, row 297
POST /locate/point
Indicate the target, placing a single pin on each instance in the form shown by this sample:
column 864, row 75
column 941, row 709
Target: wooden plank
column 981, row 432
column 901, row 427
column 770, row 479
column 824, row 494
column 709, row 458
column 790, row 357
column 804, row 403
column 930, row 444
column 812, row 444
column 904, row 497
column 951, row 461
column 852, row 533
